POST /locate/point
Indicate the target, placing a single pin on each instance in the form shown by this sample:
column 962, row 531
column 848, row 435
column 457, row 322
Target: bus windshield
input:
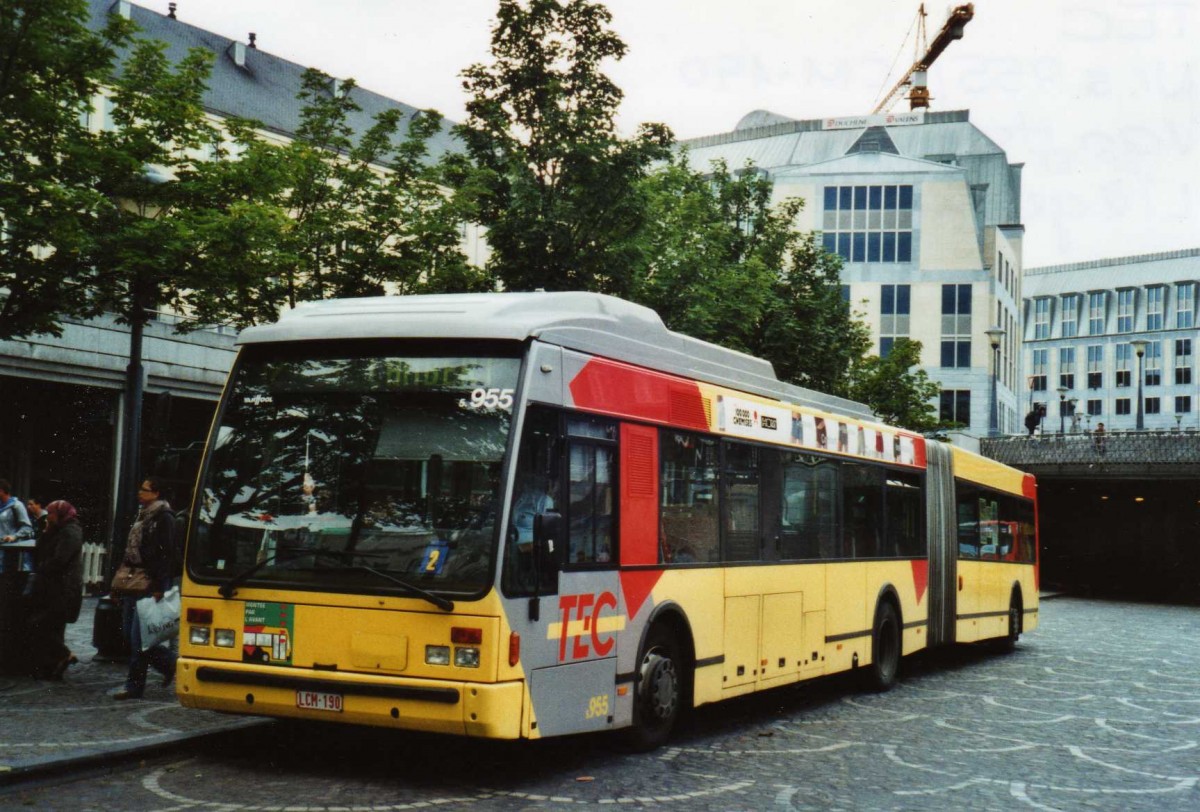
column 329, row 468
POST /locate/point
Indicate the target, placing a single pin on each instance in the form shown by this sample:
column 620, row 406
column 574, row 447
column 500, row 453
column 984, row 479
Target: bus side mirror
column 548, row 540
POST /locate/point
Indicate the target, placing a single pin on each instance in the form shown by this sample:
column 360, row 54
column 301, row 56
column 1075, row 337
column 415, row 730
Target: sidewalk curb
column 83, row 759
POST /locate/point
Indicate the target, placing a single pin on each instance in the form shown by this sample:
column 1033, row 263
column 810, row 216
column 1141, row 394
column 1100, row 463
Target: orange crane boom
column 915, row 76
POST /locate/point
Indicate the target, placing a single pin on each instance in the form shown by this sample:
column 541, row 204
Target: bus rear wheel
column 1009, row 641
column 885, row 649
column 658, row 691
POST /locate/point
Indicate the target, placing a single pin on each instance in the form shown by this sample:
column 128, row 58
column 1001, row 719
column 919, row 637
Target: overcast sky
column 1100, row 99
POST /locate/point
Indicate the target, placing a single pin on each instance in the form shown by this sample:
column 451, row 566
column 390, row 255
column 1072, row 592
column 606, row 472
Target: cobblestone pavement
column 44, row 722
column 1099, row 709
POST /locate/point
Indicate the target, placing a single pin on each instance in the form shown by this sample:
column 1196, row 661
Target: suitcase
column 110, row 643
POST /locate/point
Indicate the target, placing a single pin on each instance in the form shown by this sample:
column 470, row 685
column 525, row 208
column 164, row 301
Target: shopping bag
column 159, row 620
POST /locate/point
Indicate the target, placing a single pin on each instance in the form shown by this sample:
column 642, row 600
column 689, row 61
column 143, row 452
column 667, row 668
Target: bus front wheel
column 885, row 649
column 658, row 693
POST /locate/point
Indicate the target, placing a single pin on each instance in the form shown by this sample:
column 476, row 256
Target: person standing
column 14, row 519
column 149, row 551
column 57, row 590
column 37, row 515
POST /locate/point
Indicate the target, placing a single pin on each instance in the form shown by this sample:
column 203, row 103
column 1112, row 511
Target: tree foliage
column 895, row 388
column 723, row 264
column 51, row 66
column 549, row 176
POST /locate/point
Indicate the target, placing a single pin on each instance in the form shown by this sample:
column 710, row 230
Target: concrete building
column 925, row 210
column 64, row 396
column 1084, row 325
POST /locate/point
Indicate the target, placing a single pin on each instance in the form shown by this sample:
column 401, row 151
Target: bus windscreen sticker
column 267, row 633
column 435, row 557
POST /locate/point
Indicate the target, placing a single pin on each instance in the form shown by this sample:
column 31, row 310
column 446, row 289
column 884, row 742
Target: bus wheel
column 658, row 691
column 1009, row 641
column 885, row 649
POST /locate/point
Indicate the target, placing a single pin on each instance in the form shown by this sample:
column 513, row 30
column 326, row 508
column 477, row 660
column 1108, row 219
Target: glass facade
column 869, row 223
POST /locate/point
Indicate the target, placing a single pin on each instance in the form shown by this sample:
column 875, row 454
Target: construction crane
column 914, row 78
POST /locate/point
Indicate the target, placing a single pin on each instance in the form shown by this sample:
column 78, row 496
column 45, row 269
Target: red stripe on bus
column 920, row 570
column 636, row 586
column 919, row 454
column 628, row 391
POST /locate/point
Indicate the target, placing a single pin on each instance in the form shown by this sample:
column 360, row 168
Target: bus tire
column 1009, row 641
column 885, row 649
column 658, row 690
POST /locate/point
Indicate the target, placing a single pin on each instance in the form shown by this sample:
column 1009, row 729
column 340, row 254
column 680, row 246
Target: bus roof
column 587, row 322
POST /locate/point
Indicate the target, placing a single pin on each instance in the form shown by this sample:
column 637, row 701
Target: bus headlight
column 466, row 657
column 225, row 638
column 199, row 635
column 437, row 655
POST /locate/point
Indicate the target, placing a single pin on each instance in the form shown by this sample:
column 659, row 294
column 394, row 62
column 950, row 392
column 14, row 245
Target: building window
column 1041, row 318
column 956, row 406
column 1122, row 405
column 1153, row 406
column 1095, row 366
column 956, row 325
column 1154, row 363
column 1093, row 407
column 1070, row 315
column 1183, row 360
column 1066, row 367
column 1183, row 404
column 1185, row 304
column 869, row 223
column 1096, row 313
column 893, row 316
column 1154, row 308
column 1124, row 362
column 1037, row 381
column 1125, row 311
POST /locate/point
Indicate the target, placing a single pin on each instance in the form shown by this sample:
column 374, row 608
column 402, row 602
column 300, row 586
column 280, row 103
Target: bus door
column 560, row 563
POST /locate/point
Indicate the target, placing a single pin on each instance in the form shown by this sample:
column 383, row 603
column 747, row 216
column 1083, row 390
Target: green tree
column 723, row 264
column 552, row 180
column 895, row 388
column 368, row 215
column 51, row 66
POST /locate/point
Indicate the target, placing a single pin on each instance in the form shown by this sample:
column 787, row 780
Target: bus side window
column 809, row 526
column 535, row 491
column 862, row 495
column 688, row 526
column 591, row 488
column 741, row 532
column 967, row 502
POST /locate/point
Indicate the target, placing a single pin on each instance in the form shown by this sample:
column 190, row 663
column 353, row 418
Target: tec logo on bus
column 588, row 624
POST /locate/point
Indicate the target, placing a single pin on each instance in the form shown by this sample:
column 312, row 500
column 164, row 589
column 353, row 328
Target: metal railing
column 1167, row 454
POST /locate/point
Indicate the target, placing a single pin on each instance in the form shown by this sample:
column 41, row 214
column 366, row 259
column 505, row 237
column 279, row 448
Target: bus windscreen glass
column 357, row 472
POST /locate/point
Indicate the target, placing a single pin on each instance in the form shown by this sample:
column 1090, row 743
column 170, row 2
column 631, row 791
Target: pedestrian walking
column 57, row 592
column 1031, row 421
column 146, row 570
column 1098, row 437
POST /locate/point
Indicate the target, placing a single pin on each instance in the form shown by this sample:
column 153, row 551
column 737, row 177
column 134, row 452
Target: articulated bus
column 520, row 515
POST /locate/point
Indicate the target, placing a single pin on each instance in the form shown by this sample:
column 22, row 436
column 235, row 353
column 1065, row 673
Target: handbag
column 130, row 580
column 159, row 619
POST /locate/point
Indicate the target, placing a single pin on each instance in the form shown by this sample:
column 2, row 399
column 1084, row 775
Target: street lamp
column 1139, row 348
column 994, row 335
column 1062, row 409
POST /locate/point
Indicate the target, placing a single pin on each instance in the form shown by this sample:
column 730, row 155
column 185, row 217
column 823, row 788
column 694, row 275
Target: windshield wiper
column 436, row 600
column 229, row 588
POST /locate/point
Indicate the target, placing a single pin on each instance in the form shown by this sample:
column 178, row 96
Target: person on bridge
column 1098, row 437
column 57, row 591
column 1031, row 421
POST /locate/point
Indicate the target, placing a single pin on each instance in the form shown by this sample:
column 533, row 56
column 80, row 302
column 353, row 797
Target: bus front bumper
column 462, row 708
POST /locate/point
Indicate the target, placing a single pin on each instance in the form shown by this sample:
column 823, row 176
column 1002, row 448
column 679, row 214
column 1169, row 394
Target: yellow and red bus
column 536, row 514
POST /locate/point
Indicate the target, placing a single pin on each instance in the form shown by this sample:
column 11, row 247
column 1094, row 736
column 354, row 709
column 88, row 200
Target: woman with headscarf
column 57, row 590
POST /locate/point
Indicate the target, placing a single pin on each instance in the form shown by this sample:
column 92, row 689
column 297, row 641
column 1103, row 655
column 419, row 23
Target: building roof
column 1161, row 268
column 265, row 88
column 776, row 143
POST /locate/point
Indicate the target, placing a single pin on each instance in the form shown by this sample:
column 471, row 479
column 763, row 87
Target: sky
column 1099, row 99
